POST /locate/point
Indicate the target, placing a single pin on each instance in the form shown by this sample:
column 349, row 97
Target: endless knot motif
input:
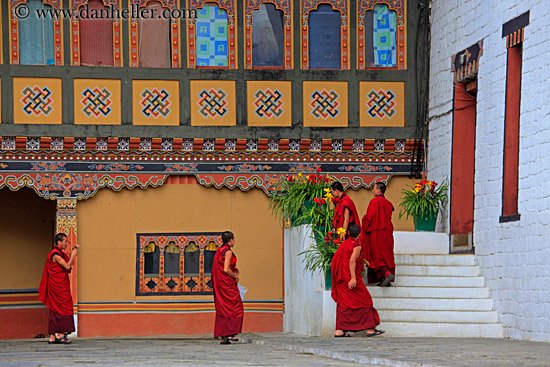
column 212, row 103
column 324, row 104
column 37, row 100
column 268, row 103
column 155, row 103
column 381, row 103
column 96, row 102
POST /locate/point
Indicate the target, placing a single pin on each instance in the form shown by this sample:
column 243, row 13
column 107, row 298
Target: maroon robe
column 55, row 293
column 227, row 299
column 377, row 237
column 344, row 203
column 354, row 311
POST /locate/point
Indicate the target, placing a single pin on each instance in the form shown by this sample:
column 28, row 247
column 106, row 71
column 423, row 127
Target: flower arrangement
column 423, row 200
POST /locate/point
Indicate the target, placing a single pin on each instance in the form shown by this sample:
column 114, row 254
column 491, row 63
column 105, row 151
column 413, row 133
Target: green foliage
column 424, row 199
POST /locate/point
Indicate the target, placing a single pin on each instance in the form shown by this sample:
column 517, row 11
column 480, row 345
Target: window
column 212, row 34
column 96, row 37
column 514, row 33
column 154, row 38
column 175, row 263
column 324, row 38
column 36, row 36
column 381, row 37
column 267, row 37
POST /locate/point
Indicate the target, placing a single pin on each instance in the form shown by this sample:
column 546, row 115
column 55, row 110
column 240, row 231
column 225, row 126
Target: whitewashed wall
column 514, row 257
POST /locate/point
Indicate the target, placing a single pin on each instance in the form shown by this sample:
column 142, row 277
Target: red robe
column 354, row 309
column 227, row 299
column 55, row 293
column 377, row 235
column 344, row 203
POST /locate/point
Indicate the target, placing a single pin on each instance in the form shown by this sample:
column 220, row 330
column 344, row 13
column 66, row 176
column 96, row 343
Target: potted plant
column 423, row 202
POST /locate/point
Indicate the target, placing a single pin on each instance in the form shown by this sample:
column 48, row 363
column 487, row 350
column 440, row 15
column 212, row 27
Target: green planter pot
column 328, row 279
column 426, row 224
column 297, row 221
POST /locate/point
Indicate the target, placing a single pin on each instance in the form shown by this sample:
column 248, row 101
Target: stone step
column 455, row 271
column 421, row 243
column 441, row 260
column 440, row 281
column 439, row 304
column 443, row 329
column 466, row 317
column 428, row 292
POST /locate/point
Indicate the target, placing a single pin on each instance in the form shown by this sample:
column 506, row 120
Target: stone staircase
column 435, row 294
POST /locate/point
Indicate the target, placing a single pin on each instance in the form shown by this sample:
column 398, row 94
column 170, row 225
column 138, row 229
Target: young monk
column 55, row 290
column 354, row 308
column 227, row 299
column 345, row 213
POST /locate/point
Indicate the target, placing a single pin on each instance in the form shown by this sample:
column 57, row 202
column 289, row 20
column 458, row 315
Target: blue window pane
column 383, row 50
column 212, row 37
column 324, row 38
column 36, row 41
column 267, row 36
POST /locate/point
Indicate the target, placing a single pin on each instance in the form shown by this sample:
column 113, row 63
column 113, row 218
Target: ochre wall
column 108, row 223
column 26, row 237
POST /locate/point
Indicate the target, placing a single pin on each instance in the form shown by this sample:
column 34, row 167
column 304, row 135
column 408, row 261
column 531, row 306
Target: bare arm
column 227, row 266
column 67, row 265
column 352, row 263
column 346, row 219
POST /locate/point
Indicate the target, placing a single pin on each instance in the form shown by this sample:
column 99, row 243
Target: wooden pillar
column 66, row 223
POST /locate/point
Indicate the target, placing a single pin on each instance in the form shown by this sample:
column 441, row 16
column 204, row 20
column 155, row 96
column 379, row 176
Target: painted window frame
column 175, row 24
column 201, row 239
column 14, row 32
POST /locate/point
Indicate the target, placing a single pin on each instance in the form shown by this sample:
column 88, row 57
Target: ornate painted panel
column 213, row 103
column 113, row 7
column 342, row 6
column 325, row 104
column 97, row 101
column 27, row 14
column 382, row 34
column 382, row 104
column 155, row 102
column 175, row 263
column 282, row 5
column 204, row 39
column 269, row 103
column 174, row 32
column 37, row 101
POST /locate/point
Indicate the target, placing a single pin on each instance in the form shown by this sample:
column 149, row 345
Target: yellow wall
column 26, row 237
column 108, row 223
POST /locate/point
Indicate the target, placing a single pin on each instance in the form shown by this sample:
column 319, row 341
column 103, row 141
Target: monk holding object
column 55, row 290
column 354, row 307
column 227, row 299
column 345, row 213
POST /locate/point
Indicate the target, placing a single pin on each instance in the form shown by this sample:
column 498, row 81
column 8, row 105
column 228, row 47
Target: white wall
column 514, row 257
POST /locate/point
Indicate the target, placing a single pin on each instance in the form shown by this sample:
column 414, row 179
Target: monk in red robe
column 227, row 299
column 377, row 237
column 345, row 213
column 354, row 308
column 55, row 290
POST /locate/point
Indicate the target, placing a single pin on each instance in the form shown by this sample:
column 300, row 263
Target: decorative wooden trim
column 174, row 34
column 400, row 7
column 283, row 5
column 75, row 32
column 229, row 7
column 465, row 64
column 340, row 5
column 515, row 38
column 14, row 32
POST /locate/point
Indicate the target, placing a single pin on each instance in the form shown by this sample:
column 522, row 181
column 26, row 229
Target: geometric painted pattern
column 212, row 37
column 381, row 103
column 33, row 143
column 155, row 103
column 268, row 103
column 212, row 103
column 96, row 102
column 384, row 36
column 37, row 100
column 379, row 145
column 324, row 104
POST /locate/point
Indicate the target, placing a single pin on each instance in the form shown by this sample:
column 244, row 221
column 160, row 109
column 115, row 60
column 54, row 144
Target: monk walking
column 55, row 290
column 345, row 213
column 227, row 299
column 354, row 308
column 377, row 237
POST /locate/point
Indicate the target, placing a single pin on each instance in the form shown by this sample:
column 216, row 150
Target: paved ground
column 277, row 350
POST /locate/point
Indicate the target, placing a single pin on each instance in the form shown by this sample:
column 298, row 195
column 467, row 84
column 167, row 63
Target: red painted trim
column 511, row 132
column 23, row 323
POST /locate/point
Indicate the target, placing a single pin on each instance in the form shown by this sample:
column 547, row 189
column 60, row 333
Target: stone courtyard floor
column 276, row 349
